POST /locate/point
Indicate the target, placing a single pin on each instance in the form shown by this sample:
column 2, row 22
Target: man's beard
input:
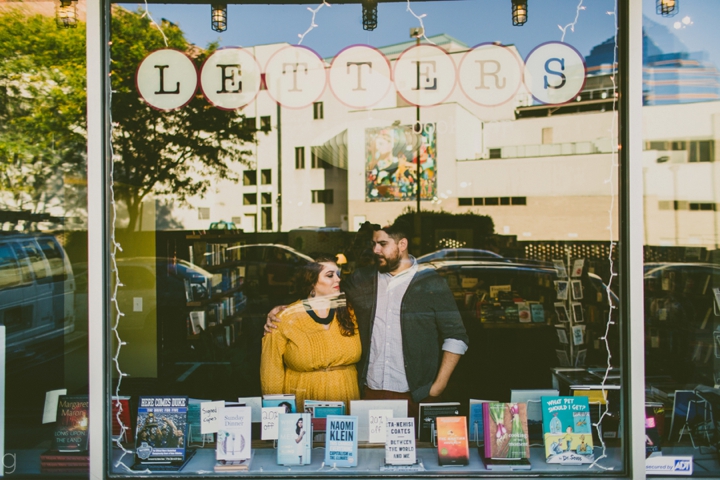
column 391, row 264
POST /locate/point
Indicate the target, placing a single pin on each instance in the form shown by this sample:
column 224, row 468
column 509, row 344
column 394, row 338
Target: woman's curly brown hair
column 305, row 280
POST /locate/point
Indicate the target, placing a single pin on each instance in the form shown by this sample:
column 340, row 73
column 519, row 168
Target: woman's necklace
column 314, row 316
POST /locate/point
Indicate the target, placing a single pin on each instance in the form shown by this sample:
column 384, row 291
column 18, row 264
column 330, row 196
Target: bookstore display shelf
column 370, row 462
column 215, row 298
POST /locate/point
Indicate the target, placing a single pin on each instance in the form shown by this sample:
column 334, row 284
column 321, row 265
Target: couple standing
column 402, row 314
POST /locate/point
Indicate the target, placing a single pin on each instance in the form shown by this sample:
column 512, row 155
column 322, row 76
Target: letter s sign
column 554, row 73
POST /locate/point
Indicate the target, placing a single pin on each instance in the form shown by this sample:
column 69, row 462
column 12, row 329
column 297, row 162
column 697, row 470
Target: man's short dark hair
column 397, row 231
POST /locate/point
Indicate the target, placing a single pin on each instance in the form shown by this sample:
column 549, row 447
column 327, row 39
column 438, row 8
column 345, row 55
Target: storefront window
column 43, row 242
column 682, row 343
column 448, row 250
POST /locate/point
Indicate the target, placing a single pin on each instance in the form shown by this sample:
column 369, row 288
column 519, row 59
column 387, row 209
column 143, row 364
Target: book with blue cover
column 294, row 439
column 280, row 400
column 161, row 431
column 341, row 441
column 567, row 429
column 475, row 422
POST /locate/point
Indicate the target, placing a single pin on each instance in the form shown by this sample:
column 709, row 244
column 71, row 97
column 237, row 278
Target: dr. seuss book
column 341, row 441
column 234, row 435
column 506, row 435
column 567, row 429
column 294, row 439
column 71, row 430
column 452, row 441
column 161, row 430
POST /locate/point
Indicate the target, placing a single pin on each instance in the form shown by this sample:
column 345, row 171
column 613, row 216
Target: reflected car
column 460, row 254
column 37, row 290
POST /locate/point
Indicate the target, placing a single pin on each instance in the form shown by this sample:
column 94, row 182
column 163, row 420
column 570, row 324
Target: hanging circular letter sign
column 554, row 73
column 424, row 75
column 230, row 78
column 360, row 76
column 490, row 74
column 295, row 76
column 167, row 79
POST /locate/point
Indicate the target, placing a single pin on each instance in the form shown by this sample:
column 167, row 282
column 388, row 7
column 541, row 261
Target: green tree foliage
column 42, row 114
column 165, row 153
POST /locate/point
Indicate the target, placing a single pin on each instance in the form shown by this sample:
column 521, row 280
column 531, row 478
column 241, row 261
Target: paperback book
column 452, row 441
column 280, row 400
column 294, row 439
column 121, row 420
column 161, row 431
column 234, row 435
column 506, row 435
column 567, row 430
column 429, row 412
column 341, row 441
column 400, row 446
column 71, row 430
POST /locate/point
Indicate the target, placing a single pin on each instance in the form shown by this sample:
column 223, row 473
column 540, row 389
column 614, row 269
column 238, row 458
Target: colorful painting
column 391, row 163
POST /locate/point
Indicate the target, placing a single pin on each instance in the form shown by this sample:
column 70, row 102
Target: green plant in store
column 174, row 154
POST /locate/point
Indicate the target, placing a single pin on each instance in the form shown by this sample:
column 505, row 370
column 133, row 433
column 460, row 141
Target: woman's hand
column 272, row 319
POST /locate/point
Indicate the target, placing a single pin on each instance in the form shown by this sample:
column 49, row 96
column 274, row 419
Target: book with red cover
column 506, row 431
column 122, row 405
column 452, row 441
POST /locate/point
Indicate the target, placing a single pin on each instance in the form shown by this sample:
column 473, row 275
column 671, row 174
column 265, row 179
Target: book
column 361, row 409
column 341, row 441
column 654, row 423
column 400, row 446
column 193, row 420
column 256, row 403
column 567, row 429
column 320, row 409
column 280, row 400
column 475, row 422
column 533, row 399
column 232, row 465
column 71, row 429
column 538, row 312
column 428, row 412
column 294, row 439
column 235, row 434
column 452, row 441
column 72, row 457
column 505, row 431
column 197, row 321
column 161, row 430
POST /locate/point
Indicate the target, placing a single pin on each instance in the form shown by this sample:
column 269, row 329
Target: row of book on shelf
column 501, row 431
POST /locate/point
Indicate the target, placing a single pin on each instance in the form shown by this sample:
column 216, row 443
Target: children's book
column 71, row 430
column 161, row 431
column 294, row 439
column 428, row 413
column 452, row 441
column 505, row 431
column 341, row 441
column 567, row 430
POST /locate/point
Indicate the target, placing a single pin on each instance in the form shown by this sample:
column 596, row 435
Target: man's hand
column 272, row 319
column 437, row 388
column 447, row 365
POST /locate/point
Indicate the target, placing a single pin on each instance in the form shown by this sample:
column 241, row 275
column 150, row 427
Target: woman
column 299, row 443
column 314, row 351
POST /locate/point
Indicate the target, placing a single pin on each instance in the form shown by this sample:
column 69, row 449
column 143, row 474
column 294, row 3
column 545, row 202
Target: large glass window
column 450, row 252
column 682, row 275
column 43, row 242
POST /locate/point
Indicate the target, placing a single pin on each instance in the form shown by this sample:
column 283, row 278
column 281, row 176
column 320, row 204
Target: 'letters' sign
column 424, row 75
column 360, row 76
column 230, row 78
column 490, row 74
column 295, row 76
column 554, row 72
column 167, row 79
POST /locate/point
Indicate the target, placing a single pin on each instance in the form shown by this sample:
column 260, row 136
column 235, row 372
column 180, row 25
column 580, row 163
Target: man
column 404, row 313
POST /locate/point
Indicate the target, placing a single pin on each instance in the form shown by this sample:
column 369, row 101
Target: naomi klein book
column 341, row 441
column 506, row 433
column 161, row 430
column 294, row 439
column 452, row 441
column 71, row 431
